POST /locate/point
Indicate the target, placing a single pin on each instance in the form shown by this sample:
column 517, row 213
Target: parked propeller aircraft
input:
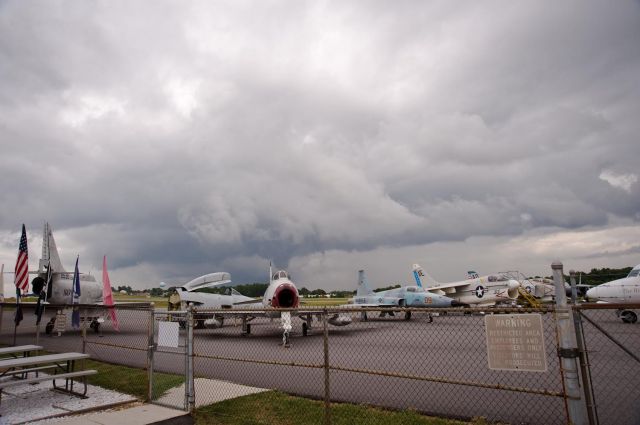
column 61, row 286
column 406, row 296
column 477, row 291
column 281, row 293
column 52, row 277
column 623, row 291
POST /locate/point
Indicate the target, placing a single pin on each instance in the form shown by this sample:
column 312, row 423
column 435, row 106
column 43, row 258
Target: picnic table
column 62, row 365
column 16, row 350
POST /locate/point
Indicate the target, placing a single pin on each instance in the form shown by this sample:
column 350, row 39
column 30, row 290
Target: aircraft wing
column 448, row 285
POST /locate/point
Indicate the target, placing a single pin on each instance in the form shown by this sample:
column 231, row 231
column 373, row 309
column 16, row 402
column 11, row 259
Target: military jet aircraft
column 406, row 296
column 281, row 293
column 478, row 291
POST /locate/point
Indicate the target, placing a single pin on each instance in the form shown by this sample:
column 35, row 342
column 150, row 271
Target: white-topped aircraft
column 281, row 293
column 621, row 291
column 476, row 291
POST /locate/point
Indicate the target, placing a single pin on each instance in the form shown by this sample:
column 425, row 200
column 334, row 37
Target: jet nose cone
column 513, row 284
column 592, row 294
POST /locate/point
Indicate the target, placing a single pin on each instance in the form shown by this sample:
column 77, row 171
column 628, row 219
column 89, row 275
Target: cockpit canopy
column 280, row 274
column 497, row 278
column 635, row 272
column 414, row 289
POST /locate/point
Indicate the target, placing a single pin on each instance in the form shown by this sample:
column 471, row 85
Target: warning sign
column 515, row 342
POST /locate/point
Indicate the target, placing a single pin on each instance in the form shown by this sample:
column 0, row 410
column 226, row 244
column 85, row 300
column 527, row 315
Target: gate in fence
column 170, row 358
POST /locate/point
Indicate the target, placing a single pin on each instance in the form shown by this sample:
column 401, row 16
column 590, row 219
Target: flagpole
column 15, row 322
column 1, row 296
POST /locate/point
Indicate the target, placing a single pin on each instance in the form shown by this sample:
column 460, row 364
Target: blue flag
column 75, row 317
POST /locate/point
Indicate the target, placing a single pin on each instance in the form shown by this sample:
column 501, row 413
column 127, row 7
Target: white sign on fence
column 168, row 334
column 515, row 342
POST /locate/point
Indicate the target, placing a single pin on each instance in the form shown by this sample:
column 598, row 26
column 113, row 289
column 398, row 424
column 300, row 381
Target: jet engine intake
column 285, row 296
column 512, row 289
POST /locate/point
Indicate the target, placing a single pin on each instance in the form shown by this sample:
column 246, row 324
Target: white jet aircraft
column 477, row 291
column 542, row 290
column 621, row 291
column 281, row 293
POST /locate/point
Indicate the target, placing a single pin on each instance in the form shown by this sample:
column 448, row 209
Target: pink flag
column 107, row 295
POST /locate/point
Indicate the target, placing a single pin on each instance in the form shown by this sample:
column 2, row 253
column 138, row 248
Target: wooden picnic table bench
column 62, row 364
column 24, row 349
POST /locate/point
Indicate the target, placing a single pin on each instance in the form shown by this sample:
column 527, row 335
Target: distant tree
column 303, row 291
column 342, row 294
column 156, row 292
column 318, row 292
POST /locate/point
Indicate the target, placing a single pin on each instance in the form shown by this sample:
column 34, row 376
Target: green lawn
column 277, row 408
column 270, row 407
column 130, row 380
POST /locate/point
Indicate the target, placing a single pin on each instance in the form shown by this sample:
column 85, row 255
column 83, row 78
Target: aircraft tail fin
column 471, row 274
column 423, row 279
column 50, row 254
column 363, row 285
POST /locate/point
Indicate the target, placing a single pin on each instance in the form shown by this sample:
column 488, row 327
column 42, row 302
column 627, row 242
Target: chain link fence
column 612, row 350
column 436, row 363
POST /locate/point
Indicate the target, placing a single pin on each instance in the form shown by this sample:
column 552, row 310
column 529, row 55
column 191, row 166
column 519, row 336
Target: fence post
column 574, row 291
column 585, row 373
column 189, row 384
column 84, row 331
column 327, row 392
column 150, row 347
column 568, row 351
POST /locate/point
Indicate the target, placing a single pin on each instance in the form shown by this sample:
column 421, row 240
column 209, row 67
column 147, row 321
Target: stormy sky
column 183, row 138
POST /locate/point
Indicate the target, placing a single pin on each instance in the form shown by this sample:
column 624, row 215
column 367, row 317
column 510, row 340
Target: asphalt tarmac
column 439, row 368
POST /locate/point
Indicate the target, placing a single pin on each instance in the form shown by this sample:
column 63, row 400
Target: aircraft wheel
column 95, row 325
column 248, row 328
column 305, row 329
column 407, row 315
column 629, row 317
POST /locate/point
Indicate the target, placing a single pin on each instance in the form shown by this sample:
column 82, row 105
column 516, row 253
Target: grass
column 274, row 407
column 130, row 380
column 323, row 302
column 271, row 407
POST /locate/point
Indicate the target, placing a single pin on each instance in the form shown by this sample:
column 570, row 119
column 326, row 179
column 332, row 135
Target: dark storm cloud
column 182, row 139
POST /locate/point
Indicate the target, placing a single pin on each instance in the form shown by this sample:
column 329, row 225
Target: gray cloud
column 183, row 139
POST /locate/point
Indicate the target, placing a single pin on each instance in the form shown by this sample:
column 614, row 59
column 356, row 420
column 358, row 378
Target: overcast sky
column 183, row 138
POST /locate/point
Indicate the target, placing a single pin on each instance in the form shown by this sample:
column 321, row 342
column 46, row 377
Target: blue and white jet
column 405, row 296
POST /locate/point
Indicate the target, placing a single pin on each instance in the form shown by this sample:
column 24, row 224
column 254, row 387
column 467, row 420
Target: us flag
column 22, row 264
